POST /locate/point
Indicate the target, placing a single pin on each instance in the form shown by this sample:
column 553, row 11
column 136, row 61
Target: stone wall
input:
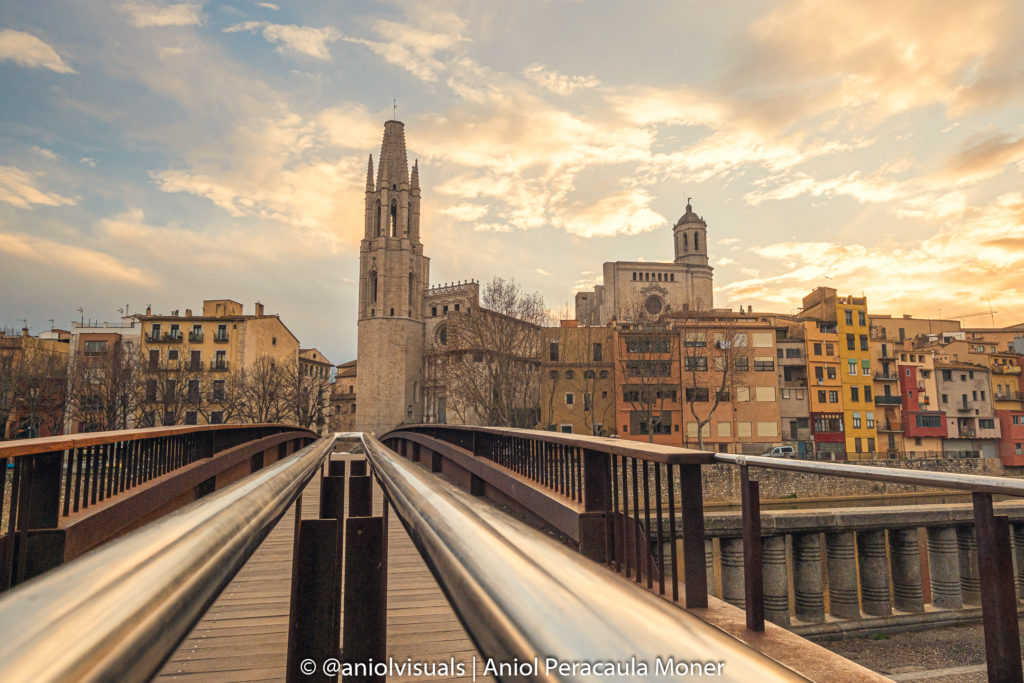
column 722, row 482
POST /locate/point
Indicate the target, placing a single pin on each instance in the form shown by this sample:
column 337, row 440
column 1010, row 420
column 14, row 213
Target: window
column 218, row 390
column 742, row 394
column 817, row 348
column 1016, row 419
column 569, row 374
column 982, row 395
column 851, row 342
column 947, row 375
column 786, row 393
column 853, row 366
column 150, row 389
column 170, row 387
column 565, row 429
column 849, row 316
column 603, row 374
column 95, row 348
column 742, row 364
column 855, row 395
column 829, row 349
column 743, row 429
column 570, row 399
column 456, row 306
column 1018, row 449
column 833, row 397
column 871, row 444
column 589, row 374
column 763, row 340
column 831, row 372
column 863, row 342
column 794, row 353
column 764, row 394
column 697, row 394
column 767, row 428
column 698, row 363
column 869, row 420
column 172, row 354
column 819, row 372
column 217, row 417
column 695, row 339
column 193, row 392
column 986, row 423
column 222, row 330
column 861, row 318
column 763, row 364
column 433, row 311
column 928, row 421
column 553, row 374
column 867, row 393
column 597, row 353
column 865, row 366
column 945, row 398
column 821, row 397
column 190, row 417
column 553, row 351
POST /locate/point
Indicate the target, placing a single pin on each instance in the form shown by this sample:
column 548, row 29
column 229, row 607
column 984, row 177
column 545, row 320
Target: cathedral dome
column 690, row 216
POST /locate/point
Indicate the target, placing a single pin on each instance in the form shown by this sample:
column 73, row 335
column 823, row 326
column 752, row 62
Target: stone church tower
column 393, row 273
column 691, row 247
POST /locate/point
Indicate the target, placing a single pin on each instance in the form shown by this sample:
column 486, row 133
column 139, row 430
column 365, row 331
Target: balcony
column 193, row 367
column 1009, row 396
column 218, row 365
column 165, row 338
column 1006, row 369
column 968, row 433
column 220, row 336
column 887, row 354
column 885, row 377
column 888, row 400
column 894, row 427
column 793, row 384
column 196, row 337
column 216, row 396
column 963, row 408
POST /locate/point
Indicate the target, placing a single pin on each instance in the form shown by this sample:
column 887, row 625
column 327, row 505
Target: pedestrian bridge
column 263, row 552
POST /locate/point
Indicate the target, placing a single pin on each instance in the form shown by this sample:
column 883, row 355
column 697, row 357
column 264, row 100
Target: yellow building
column 850, row 316
column 191, row 363
column 824, row 388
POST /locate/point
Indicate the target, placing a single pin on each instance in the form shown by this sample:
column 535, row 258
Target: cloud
column 306, row 40
column 26, row 49
column 86, row 161
column 976, row 254
column 626, row 212
column 146, row 13
column 422, row 46
column 61, row 256
column 43, row 152
column 18, row 187
column 466, row 212
column 268, row 5
column 541, row 271
column 557, row 83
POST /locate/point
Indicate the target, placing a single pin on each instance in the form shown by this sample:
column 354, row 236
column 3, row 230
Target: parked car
column 782, row 452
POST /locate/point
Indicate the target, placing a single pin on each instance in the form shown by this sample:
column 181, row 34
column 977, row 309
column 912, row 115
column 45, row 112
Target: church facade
column 635, row 289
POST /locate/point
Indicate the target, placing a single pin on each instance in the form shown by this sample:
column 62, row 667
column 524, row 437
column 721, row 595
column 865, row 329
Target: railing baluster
column 661, row 532
column 672, row 532
column 69, row 466
column 647, row 527
column 638, row 549
column 615, row 551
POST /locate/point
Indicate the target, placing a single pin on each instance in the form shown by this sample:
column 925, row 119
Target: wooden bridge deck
column 244, row 634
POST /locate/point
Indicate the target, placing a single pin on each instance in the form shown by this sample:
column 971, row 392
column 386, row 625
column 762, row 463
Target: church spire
column 369, row 175
column 416, row 175
column 394, row 164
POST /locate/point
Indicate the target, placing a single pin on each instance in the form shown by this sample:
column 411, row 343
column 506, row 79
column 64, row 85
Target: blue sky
column 164, row 152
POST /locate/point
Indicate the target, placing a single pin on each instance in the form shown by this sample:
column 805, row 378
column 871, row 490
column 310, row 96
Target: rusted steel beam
column 312, row 619
column 753, row 572
column 365, row 627
column 694, row 563
column 998, row 600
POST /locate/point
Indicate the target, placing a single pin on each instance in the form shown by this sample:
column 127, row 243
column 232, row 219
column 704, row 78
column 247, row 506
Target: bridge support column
column 841, row 553
column 944, row 567
column 970, row 579
column 874, row 572
column 732, row 571
column 709, row 561
column 776, row 579
column 1018, row 557
column 366, row 592
column 807, row 587
column 312, row 619
column 906, row 570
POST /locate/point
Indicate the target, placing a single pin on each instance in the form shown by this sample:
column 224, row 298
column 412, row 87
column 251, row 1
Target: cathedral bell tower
column 393, row 273
column 691, row 247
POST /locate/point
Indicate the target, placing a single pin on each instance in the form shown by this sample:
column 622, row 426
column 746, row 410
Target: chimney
column 259, row 309
column 24, row 332
column 149, row 310
column 188, row 312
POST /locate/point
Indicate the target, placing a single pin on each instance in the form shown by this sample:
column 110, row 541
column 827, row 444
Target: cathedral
column 403, row 326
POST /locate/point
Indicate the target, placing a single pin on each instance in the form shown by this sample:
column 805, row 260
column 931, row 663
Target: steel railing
column 522, row 595
column 120, row 611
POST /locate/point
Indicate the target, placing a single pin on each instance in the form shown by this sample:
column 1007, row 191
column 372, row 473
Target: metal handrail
column 120, row 611
column 522, row 595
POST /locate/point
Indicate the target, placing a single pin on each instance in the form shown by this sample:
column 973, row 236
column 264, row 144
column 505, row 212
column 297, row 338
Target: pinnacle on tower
column 369, row 175
column 394, row 164
column 416, row 175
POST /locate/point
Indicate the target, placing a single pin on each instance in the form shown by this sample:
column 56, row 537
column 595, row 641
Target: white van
column 782, row 452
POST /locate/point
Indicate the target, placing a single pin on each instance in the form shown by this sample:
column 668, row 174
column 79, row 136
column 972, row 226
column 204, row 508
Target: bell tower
column 393, row 273
column 691, row 248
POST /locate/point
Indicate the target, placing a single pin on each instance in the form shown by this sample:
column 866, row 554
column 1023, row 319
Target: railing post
column 944, row 567
column 874, row 572
column 732, row 570
column 998, row 601
column 776, row 579
column 841, row 554
column 907, row 591
column 312, row 621
column 970, row 580
column 597, row 492
column 753, row 574
column 807, row 589
column 365, row 628
column 694, row 571
column 38, row 543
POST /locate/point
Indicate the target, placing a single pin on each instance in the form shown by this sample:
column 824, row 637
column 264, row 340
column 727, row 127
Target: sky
column 162, row 153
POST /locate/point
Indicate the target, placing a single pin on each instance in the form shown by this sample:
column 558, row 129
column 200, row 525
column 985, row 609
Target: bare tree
column 491, row 368
column 308, row 395
column 712, row 355
column 170, row 385
column 33, row 381
column 264, row 392
column 648, row 356
column 105, row 388
column 580, row 367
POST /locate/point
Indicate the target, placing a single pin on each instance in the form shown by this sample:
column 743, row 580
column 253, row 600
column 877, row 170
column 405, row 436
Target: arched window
column 589, row 374
column 394, row 218
column 686, row 242
column 696, row 242
column 376, row 224
column 569, row 374
column 604, row 374
column 553, row 374
column 373, row 286
column 411, row 281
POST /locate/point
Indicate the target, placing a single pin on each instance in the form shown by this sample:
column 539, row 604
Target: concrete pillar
column 970, row 578
column 732, row 571
column 944, row 567
column 776, row 579
column 807, row 586
column 874, row 572
column 906, row 570
column 1018, row 558
column 709, row 560
column 841, row 554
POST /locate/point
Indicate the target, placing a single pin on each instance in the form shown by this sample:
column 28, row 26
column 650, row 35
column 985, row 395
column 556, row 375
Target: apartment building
column 965, row 397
